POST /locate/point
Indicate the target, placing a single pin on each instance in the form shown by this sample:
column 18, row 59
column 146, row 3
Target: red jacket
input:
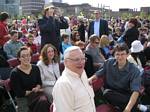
column 3, row 32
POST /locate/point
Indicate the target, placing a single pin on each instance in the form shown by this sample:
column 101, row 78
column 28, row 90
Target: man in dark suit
column 98, row 26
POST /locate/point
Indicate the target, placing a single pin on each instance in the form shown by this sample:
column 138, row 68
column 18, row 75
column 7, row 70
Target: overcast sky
column 114, row 4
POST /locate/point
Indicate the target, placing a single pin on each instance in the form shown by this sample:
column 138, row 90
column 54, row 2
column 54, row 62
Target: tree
column 126, row 15
column 143, row 15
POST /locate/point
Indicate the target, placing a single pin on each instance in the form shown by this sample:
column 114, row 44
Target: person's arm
column 89, row 29
column 106, row 28
column 63, row 23
column 8, row 51
column 63, row 97
column 101, row 56
column 37, row 89
column 91, row 79
column 132, row 101
column 97, row 65
column 45, row 25
column 99, row 73
column 16, row 84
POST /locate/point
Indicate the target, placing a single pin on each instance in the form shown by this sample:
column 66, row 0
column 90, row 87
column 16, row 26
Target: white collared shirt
column 97, row 27
column 72, row 93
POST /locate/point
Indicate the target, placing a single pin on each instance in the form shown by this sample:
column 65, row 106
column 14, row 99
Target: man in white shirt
column 72, row 92
column 98, row 26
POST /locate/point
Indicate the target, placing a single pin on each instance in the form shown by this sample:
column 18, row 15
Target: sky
column 113, row 4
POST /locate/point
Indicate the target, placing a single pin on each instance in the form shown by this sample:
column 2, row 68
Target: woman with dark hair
column 49, row 68
column 26, row 84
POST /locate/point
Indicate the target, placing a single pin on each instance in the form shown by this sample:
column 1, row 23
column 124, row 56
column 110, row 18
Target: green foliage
column 126, row 15
column 143, row 15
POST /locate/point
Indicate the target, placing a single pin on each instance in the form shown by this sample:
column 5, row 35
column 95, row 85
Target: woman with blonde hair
column 104, row 46
column 49, row 68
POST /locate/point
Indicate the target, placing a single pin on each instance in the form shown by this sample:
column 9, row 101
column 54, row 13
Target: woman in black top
column 26, row 83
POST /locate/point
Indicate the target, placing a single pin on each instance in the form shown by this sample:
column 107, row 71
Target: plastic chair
column 98, row 85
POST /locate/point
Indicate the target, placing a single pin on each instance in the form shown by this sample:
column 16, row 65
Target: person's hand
column 90, row 80
column 58, row 13
column 36, row 89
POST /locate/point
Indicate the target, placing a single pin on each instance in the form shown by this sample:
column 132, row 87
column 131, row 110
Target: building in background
column 146, row 10
column 49, row 1
column 30, row 7
column 10, row 6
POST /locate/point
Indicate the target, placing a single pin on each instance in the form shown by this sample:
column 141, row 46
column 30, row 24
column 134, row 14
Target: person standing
column 98, row 26
column 50, row 26
column 4, row 32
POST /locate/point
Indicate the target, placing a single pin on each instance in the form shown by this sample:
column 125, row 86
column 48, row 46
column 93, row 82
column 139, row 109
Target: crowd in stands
column 48, row 38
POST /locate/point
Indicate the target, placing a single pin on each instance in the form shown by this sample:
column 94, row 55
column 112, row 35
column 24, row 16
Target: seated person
column 30, row 43
column 122, row 80
column 12, row 46
column 93, row 50
column 49, row 68
column 89, row 68
column 65, row 42
column 26, row 84
column 105, row 47
column 136, row 48
column 147, row 54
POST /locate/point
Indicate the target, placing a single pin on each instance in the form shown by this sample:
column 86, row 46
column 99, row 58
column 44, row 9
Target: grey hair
column 68, row 50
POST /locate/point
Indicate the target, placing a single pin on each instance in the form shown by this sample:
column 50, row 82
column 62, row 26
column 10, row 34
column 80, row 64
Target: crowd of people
column 116, row 49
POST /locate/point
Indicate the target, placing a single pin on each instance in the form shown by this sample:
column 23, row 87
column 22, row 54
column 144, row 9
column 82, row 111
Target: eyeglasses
column 25, row 56
column 77, row 59
column 96, row 42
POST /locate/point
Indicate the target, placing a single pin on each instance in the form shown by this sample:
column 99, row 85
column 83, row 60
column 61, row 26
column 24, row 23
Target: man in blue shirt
column 12, row 46
column 123, row 80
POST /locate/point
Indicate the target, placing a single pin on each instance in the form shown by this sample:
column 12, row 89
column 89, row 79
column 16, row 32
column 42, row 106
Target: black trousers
column 118, row 99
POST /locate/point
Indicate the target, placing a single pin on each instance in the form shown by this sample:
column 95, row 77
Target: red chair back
column 97, row 84
column 13, row 62
column 106, row 108
column 35, row 58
